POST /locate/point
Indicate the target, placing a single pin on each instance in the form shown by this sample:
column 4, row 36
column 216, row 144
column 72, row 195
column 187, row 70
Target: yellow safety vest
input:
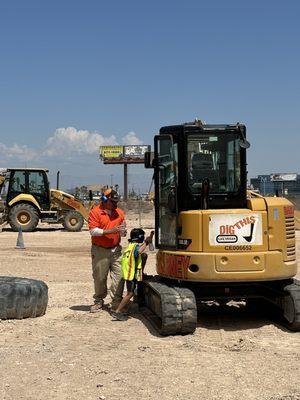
column 131, row 267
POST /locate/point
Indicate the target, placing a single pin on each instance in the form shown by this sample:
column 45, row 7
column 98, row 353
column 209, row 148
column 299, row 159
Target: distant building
column 281, row 184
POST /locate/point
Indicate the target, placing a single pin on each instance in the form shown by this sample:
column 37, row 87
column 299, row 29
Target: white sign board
column 241, row 229
column 283, row 177
column 136, row 150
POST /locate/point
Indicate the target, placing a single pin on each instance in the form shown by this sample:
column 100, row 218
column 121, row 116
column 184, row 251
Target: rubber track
column 293, row 291
column 171, row 310
column 22, row 298
column 189, row 310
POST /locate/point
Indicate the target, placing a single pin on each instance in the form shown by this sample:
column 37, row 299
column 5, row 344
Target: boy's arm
column 142, row 247
column 146, row 242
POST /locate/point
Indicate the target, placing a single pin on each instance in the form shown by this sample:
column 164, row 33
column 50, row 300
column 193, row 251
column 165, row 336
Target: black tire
column 25, row 216
column 22, row 298
column 73, row 221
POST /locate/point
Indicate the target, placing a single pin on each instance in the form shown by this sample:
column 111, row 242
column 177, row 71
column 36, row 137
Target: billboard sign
column 135, row 151
column 111, row 152
column 283, row 177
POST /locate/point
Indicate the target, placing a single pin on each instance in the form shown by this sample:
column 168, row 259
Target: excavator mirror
column 244, row 144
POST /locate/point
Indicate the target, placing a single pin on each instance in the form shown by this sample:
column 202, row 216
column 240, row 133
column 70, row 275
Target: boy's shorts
column 131, row 285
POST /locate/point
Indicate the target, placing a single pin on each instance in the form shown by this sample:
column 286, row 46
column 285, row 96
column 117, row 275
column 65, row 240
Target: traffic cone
column 20, row 240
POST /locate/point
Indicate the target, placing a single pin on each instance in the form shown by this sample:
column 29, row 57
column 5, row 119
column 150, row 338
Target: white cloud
column 131, row 138
column 68, row 142
column 64, row 145
column 20, row 153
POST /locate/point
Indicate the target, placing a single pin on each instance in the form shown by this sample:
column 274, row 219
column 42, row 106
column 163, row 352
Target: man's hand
column 115, row 229
column 119, row 228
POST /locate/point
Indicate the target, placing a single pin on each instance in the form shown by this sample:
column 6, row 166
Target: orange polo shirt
column 98, row 218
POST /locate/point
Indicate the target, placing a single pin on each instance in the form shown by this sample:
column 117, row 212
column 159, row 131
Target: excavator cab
column 216, row 241
column 29, row 182
column 196, row 167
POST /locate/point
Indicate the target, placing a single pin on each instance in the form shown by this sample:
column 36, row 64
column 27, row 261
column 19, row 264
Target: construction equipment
column 216, row 241
column 27, row 200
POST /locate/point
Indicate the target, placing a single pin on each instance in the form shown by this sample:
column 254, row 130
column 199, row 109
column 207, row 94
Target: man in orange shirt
column 106, row 226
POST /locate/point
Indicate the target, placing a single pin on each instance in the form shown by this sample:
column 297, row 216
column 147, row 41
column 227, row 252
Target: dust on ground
column 72, row 354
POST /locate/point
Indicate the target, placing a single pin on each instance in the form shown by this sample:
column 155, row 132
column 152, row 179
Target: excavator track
column 170, row 309
column 291, row 305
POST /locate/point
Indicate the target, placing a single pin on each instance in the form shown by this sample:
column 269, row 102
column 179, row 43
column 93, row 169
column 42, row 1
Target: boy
column 133, row 263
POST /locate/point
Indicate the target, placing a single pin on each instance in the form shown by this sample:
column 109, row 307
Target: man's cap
column 112, row 195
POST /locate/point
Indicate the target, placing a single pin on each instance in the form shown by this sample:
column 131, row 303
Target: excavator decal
column 235, row 229
column 173, row 265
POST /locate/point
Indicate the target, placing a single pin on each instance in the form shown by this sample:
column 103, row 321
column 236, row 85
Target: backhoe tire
column 22, row 298
column 73, row 221
column 25, row 216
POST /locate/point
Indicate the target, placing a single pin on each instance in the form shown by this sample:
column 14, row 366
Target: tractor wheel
column 73, row 221
column 25, row 216
column 22, row 298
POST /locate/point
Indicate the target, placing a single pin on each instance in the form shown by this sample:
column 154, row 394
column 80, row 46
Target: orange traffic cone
column 20, row 240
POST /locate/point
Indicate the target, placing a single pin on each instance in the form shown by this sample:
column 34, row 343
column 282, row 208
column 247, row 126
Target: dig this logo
column 228, row 232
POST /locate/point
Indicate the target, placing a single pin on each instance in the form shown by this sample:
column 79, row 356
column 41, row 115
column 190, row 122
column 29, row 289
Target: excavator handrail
column 251, row 193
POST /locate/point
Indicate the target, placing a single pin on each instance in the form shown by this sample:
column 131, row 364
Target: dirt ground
column 72, row 354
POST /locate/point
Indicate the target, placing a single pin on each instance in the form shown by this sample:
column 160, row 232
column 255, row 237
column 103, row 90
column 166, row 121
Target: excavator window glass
column 38, row 187
column 166, row 153
column 4, row 187
column 18, row 183
column 215, row 157
column 36, row 182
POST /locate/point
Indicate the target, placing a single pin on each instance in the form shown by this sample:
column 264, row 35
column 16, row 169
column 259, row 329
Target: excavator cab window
column 166, row 156
column 217, row 158
column 4, row 186
column 17, row 184
column 38, row 187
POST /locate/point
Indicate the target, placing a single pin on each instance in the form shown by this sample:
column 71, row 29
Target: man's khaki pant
column 106, row 261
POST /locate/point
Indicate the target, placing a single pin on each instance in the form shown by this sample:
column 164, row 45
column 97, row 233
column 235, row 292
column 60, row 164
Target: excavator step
column 49, row 216
column 170, row 309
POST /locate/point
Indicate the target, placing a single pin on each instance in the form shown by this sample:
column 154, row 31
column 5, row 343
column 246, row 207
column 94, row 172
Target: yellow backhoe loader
column 216, row 241
column 26, row 199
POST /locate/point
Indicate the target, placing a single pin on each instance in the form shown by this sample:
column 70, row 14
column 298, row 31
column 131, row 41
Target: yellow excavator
column 216, row 241
column 26, row 199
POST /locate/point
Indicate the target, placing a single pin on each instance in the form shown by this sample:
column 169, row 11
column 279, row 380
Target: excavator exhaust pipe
column 57, row 180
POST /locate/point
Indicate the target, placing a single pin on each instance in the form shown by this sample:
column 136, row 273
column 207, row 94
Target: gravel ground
column 72, row 354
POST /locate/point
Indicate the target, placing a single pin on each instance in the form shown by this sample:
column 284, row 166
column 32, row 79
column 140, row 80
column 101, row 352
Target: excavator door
column 166, row 210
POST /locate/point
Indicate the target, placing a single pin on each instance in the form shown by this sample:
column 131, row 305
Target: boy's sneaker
column 119, row 316
column 96, row 307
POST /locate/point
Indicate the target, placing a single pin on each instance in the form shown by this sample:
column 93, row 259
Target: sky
column 75, row 75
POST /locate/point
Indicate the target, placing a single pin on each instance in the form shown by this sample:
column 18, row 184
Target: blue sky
column 76, row 74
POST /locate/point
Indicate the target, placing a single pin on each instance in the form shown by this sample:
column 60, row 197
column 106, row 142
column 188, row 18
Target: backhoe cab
column 216, row 241
column 27, row 199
